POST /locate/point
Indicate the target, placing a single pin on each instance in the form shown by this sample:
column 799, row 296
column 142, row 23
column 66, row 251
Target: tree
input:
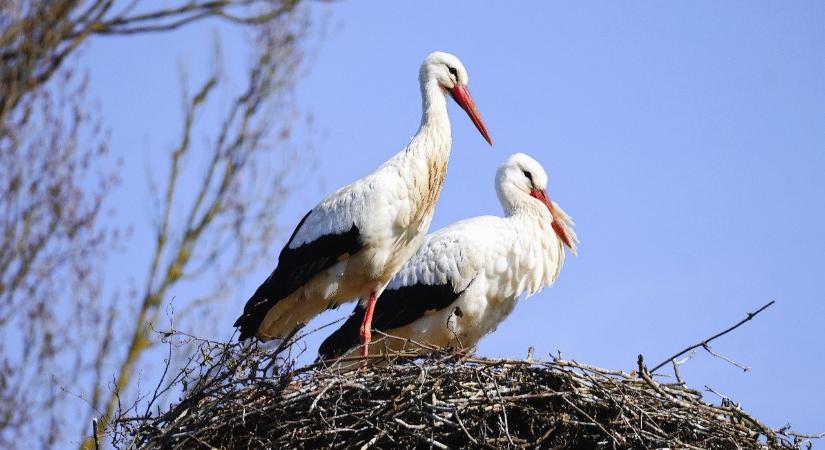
column 60, row 333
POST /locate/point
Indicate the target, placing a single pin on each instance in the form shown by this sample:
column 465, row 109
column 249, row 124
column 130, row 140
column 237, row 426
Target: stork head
column 450, row 74
column 522, row 181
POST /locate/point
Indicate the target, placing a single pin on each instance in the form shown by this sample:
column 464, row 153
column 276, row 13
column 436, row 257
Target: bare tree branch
column 219, row 222
column 52, row 242
column 36, row 43
column 56, row 174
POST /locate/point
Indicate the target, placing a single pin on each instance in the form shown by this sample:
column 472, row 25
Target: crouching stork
column 465, row 278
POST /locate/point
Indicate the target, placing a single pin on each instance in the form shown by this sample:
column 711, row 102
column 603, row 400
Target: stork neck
column 510, row 200
column 434, row 107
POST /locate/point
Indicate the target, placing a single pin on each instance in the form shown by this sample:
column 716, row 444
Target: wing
column 439, row 272
column 296, row 266
column 394, row 309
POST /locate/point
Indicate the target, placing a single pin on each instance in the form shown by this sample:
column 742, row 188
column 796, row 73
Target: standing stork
column 465, row 278
column 351, row 244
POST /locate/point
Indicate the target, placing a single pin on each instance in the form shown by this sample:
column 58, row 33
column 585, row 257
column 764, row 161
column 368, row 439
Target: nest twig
column 445, row 400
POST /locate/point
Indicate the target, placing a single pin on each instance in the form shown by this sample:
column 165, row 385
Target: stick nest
column 240, row 397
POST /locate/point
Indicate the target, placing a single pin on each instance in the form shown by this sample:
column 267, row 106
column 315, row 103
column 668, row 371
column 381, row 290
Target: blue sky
column 685, row 138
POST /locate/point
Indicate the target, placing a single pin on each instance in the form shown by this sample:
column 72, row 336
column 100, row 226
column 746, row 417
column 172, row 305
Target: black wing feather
column 296, row 266
column 395, row 308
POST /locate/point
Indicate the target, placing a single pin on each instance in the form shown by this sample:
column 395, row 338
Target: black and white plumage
column 465, row 278
column 351, row 244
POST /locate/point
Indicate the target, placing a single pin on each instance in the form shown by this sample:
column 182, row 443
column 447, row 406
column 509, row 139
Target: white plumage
column 466, row 278
column 352, row 243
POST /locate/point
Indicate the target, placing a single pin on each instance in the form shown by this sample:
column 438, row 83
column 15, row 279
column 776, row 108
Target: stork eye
column 454, row 71
column 528, row 175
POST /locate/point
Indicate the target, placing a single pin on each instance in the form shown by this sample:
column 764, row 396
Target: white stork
column 465, row 278
column 351, row 244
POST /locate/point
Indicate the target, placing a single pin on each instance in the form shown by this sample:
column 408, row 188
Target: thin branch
column 726, row 359
column 717, row 335
column 95, row 433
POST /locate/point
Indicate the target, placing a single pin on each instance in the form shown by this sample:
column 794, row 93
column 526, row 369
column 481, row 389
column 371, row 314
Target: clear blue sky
column 687, row 140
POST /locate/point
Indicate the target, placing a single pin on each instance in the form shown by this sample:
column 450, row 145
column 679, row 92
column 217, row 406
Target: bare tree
column 50, row 247
column 58, row 333
column 224, row 226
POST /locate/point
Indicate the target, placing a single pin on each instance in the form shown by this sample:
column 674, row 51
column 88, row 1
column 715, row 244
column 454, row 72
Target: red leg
column 366, row 326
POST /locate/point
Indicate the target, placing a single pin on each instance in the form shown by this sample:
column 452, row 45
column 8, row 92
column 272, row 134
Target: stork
column 465, row 278
column 351, row 244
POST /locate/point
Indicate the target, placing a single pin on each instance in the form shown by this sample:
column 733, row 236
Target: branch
column 726, row 359
column 704, row 344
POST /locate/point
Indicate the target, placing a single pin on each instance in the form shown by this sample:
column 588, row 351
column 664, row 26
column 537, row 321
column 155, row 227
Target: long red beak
column 462, row 96
column 541, row 195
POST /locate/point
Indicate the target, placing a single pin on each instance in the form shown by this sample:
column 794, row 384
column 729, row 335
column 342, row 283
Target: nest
column 237, row 397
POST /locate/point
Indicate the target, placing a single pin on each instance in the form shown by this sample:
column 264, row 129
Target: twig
column 94, row 433
column 679, row 362
column 805, row 435
column 676, row 371
column 707, row 341
column 726, row 359
column 726, row 401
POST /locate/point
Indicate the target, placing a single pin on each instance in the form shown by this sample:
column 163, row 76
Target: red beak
column 541, row 195
column 462, row 96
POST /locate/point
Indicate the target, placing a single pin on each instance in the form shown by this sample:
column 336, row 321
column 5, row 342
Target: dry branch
column 704, row 344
